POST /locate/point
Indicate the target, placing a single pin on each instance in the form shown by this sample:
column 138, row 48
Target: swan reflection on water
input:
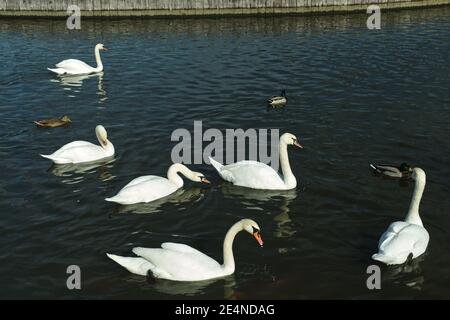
column 192, row 195
column 256, row 199
column 72, row 82
column 71, row 172
column 409, row 274
column 186, row 288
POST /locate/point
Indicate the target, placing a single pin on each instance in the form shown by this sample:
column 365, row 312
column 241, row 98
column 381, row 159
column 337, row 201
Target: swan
column 257, row 175
column 278, row 100
column 150, row 188
column 83, row 151
column 78, row 67
column 404, row 239
column 180, row 262
column 402, row 171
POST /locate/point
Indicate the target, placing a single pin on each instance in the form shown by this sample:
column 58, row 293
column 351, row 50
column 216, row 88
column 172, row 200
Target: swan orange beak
column 105, row 48
column 204, row 180
column 258, row 238
column 298, row 145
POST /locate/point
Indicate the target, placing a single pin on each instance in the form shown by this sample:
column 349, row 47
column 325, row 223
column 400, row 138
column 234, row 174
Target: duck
column 83, row 151
column 278, row 100
column 257, row 175
column 52, row 123
column 180, row 262
column 404, row 170
column 408, row 239
column 149, row 188
column 78, row 67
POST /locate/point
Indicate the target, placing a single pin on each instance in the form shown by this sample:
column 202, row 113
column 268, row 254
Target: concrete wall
column 128, row 8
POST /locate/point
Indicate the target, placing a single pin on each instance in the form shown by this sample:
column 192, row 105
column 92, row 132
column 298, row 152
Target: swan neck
column 288, row 176
column 172, row 174
column 413, row 212
column 228, row 257
column 109, row 147
column 98, row 60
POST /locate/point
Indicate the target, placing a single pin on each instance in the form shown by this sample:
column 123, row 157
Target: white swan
column 257, row 175
column 180, row 262
column 78, row 67
column 405, row 238
column 83, row 151
column 149, row 188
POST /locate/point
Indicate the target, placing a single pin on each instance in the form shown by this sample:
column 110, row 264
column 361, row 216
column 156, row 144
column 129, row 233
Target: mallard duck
column 278, row 100
column 51, row 123
column 402, row 171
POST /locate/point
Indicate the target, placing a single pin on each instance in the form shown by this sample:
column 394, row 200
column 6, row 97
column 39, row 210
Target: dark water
column 355, row 96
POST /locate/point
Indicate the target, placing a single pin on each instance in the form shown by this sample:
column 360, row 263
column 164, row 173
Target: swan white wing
column 80, row 153
column 75, row 66
column 138, row 266
column 74, row 144
column 143, row 179
column 188, row 265
column 252, row 174
column 71, row 62
column 180, row 247
column 399, row 241
column 144, row 189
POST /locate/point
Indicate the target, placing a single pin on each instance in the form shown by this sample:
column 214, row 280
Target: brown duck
column 51, row 123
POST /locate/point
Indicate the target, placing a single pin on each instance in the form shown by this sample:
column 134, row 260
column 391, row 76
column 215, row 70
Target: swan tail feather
column 115, row 199
column 57, row 70
column 384, row 258
column 217, row 165
column 47, row 156
column 56, row 160
column 135, row 265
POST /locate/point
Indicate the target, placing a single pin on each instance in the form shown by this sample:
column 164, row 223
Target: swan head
column 418, row 175
column 252, row 227
column 289, row 138
column 199, row 177
column 100, row 46
column 101, row 134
